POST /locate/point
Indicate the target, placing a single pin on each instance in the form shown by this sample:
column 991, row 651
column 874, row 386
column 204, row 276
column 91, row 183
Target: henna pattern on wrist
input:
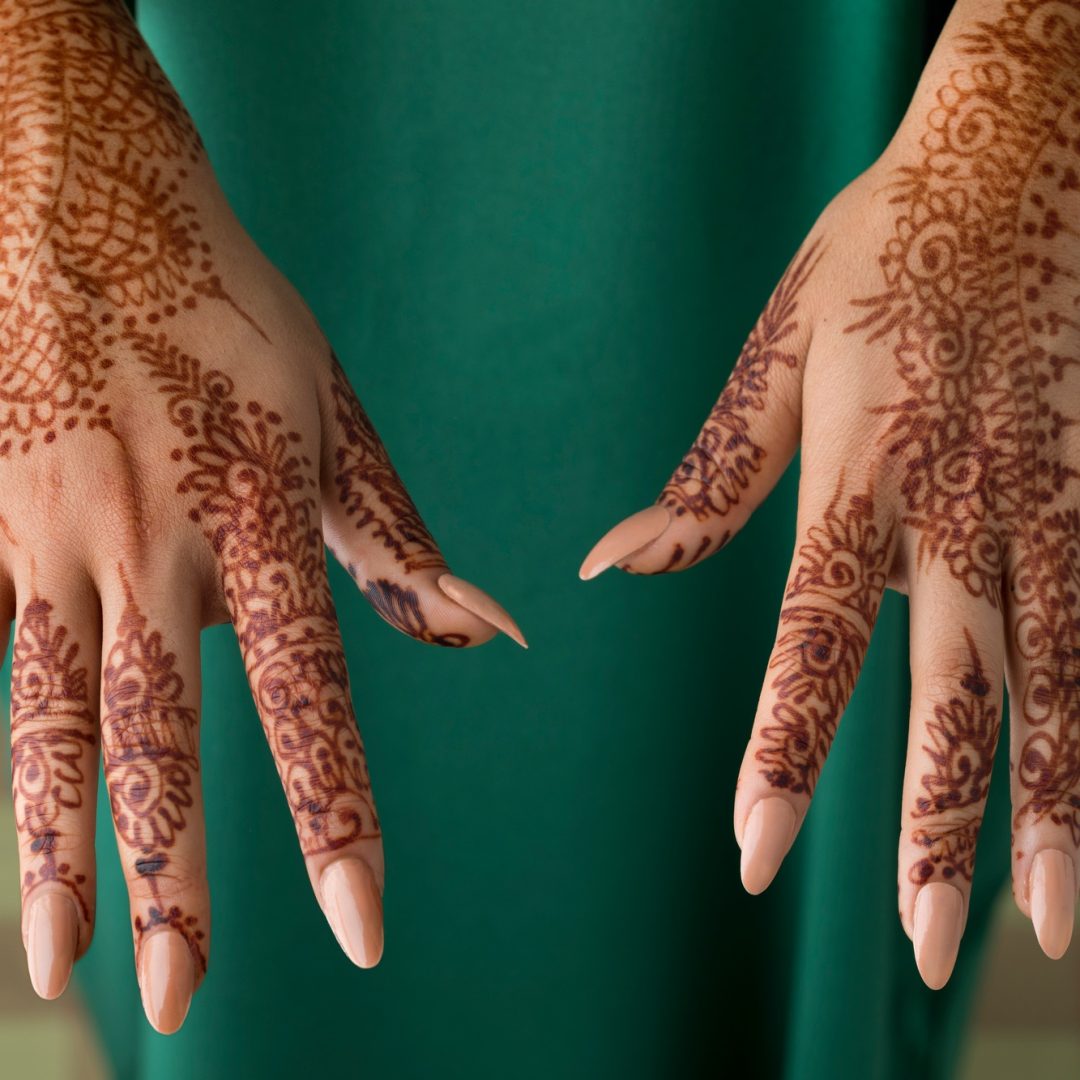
column 830, row 605
column 151, row 757
column 53, row 743
column 963, row 736
column 981, row 308
column 718, row 468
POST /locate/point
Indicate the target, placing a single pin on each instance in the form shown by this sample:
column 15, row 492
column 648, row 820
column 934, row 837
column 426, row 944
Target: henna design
column 718, row 468
column 369, row 487
column 963, row 736
column 981, row 308
column 53, row 738
column 400, row 607
column 829, row 609
column 92, row 221
column 150, row 752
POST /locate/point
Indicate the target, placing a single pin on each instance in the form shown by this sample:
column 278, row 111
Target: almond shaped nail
column 939, row 925
column 353, row 907
column 166, row 979
column 630, row 535
column 52, row 938
column 481, row 605
column 1053, row 900
column 769, row 830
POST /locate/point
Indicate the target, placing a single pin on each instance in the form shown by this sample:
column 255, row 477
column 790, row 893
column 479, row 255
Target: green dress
column 536, row 234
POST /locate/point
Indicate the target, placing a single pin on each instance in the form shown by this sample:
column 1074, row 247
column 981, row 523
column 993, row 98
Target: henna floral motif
column 963, row 736
column 150, row 752
column 53, row 739
column 981, row 308
column 718, row 468
column 829, row 608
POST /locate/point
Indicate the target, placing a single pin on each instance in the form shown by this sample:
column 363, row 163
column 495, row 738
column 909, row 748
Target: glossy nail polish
column 1053, row 900
column 166, row 979
column 939, row 924
column 52, row 938
column 481, row 605
column 353, row 907
column 630, row 535
column 769, row 830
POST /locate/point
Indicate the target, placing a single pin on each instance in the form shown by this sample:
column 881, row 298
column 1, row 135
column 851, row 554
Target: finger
column 1043, row 643
column 150, row 746
column 843, row 554
column 54, row 748
column 957, row 661
column 741, row 452
column 285, row 621
column 377, row 534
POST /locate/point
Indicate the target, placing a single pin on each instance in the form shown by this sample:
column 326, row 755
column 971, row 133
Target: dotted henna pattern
column 53, row 743
column 981, row 308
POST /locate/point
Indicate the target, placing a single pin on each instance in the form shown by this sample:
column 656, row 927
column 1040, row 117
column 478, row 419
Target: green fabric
column 536, row 234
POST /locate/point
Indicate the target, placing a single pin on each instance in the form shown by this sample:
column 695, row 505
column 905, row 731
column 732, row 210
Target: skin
column 923, row 348
column 177, row 441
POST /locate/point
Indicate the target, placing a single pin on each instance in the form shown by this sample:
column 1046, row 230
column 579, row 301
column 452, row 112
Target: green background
column 536, row 233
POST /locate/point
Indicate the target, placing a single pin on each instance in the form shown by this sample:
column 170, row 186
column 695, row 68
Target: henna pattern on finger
column 53, row 744
column 830, row 607
column 981, row 309
column 719, row 467
column 963, row 736
column 151, row 760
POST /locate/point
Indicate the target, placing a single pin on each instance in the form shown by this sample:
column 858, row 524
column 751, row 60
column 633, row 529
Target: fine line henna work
column 150, row 756
column 979, row 307
column 829, row 609
column 718, row 468
column 53, row 743
column 963, row 736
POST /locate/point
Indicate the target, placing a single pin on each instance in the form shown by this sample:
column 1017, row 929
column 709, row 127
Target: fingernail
column 166, row 979
column 353, row 907
column 1053, row 900
column 939, row 922
column 767, row 836
column 482, row 606
column 52, row 936
column 627, row 537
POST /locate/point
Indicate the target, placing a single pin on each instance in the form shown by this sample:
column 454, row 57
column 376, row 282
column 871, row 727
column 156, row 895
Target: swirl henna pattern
column 963, row 736
column 150, row 755
column 981, row 307
column 53, row 744
column 718, row 468
column 829, row 608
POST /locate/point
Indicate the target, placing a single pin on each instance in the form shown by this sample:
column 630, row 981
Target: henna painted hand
column 926, row 339
column 175, row 442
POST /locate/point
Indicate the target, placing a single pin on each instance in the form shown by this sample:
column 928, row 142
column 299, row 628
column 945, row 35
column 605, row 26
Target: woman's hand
column 926, row 341
column 176, row 439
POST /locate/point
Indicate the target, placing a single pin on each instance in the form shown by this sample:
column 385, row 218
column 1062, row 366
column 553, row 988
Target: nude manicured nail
column 769, row 830
column 481, row 605
column 939, row 924
column 1053, row 900
column 52, row 936
column 353, row 907
column 630, row 535
column 166, row 979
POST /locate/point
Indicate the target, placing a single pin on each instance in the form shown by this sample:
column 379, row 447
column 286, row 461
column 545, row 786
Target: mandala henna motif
column 53, row 740
column 963, row 736
column 829, row 609
column 981, row 308
column 718, row 468
column 150, row 754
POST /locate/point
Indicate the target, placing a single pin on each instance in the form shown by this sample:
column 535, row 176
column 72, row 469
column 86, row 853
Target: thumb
column 746, row 443
column 375, row 531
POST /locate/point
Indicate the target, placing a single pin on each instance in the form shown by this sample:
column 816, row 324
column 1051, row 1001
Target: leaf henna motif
column 53, row 739
column 829, row 608
column 981, row 308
